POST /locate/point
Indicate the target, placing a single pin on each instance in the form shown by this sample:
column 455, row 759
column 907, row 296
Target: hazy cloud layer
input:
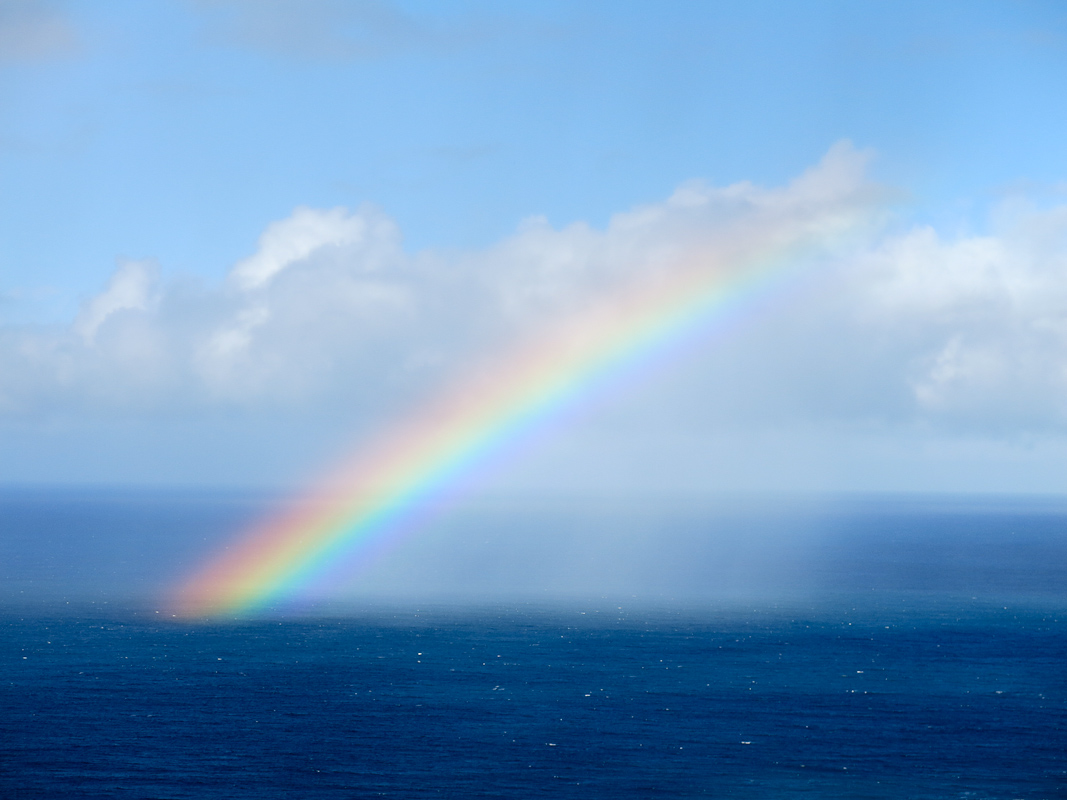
column 33, row 30
column 331, row 313
column 329, row 30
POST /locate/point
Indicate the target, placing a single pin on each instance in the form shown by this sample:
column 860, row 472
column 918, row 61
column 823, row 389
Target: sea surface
column 920, row 653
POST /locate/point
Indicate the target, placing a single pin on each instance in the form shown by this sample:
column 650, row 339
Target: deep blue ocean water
column 922, row 655
column 917, row 701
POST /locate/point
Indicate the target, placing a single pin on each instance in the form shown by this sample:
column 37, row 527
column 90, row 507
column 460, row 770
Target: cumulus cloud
column 33, row 30
column 982, row 320
column 331, row 315
column 130, row 288
column 372, row 237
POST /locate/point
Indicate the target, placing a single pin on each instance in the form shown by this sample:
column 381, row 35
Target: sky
column 242, row 238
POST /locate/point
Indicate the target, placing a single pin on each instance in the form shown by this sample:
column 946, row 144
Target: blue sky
column 150, row 147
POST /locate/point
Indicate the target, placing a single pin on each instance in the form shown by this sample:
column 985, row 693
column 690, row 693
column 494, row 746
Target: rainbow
column 395, row 481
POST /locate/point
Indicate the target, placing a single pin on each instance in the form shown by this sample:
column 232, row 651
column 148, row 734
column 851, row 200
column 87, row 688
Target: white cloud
column 982, row 320
column 331, row 316
column 323, row 287
column 366, row 235
column 130, row 289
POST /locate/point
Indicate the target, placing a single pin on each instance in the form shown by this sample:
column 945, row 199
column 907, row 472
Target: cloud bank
column 331, row 317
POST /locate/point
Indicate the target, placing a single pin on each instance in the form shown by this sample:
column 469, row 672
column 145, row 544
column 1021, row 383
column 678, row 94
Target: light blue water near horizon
column 881, row 647
column 133, row 547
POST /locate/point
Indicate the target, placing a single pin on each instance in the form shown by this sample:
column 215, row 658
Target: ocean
column 919, row 653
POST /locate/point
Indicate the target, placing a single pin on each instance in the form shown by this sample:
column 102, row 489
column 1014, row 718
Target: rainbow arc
column 389, row 486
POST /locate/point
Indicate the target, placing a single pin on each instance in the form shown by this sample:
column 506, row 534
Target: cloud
column 981, row 320
column 308, row 232
column 329, row 30
column 129, row 289
column 32, row 30
column 332, row 318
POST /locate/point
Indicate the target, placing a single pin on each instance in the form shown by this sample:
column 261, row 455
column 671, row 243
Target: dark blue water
column 933, row 700
column 921, row 653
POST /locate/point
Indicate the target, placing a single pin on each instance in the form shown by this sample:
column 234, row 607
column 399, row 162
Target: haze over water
column 131, row 549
